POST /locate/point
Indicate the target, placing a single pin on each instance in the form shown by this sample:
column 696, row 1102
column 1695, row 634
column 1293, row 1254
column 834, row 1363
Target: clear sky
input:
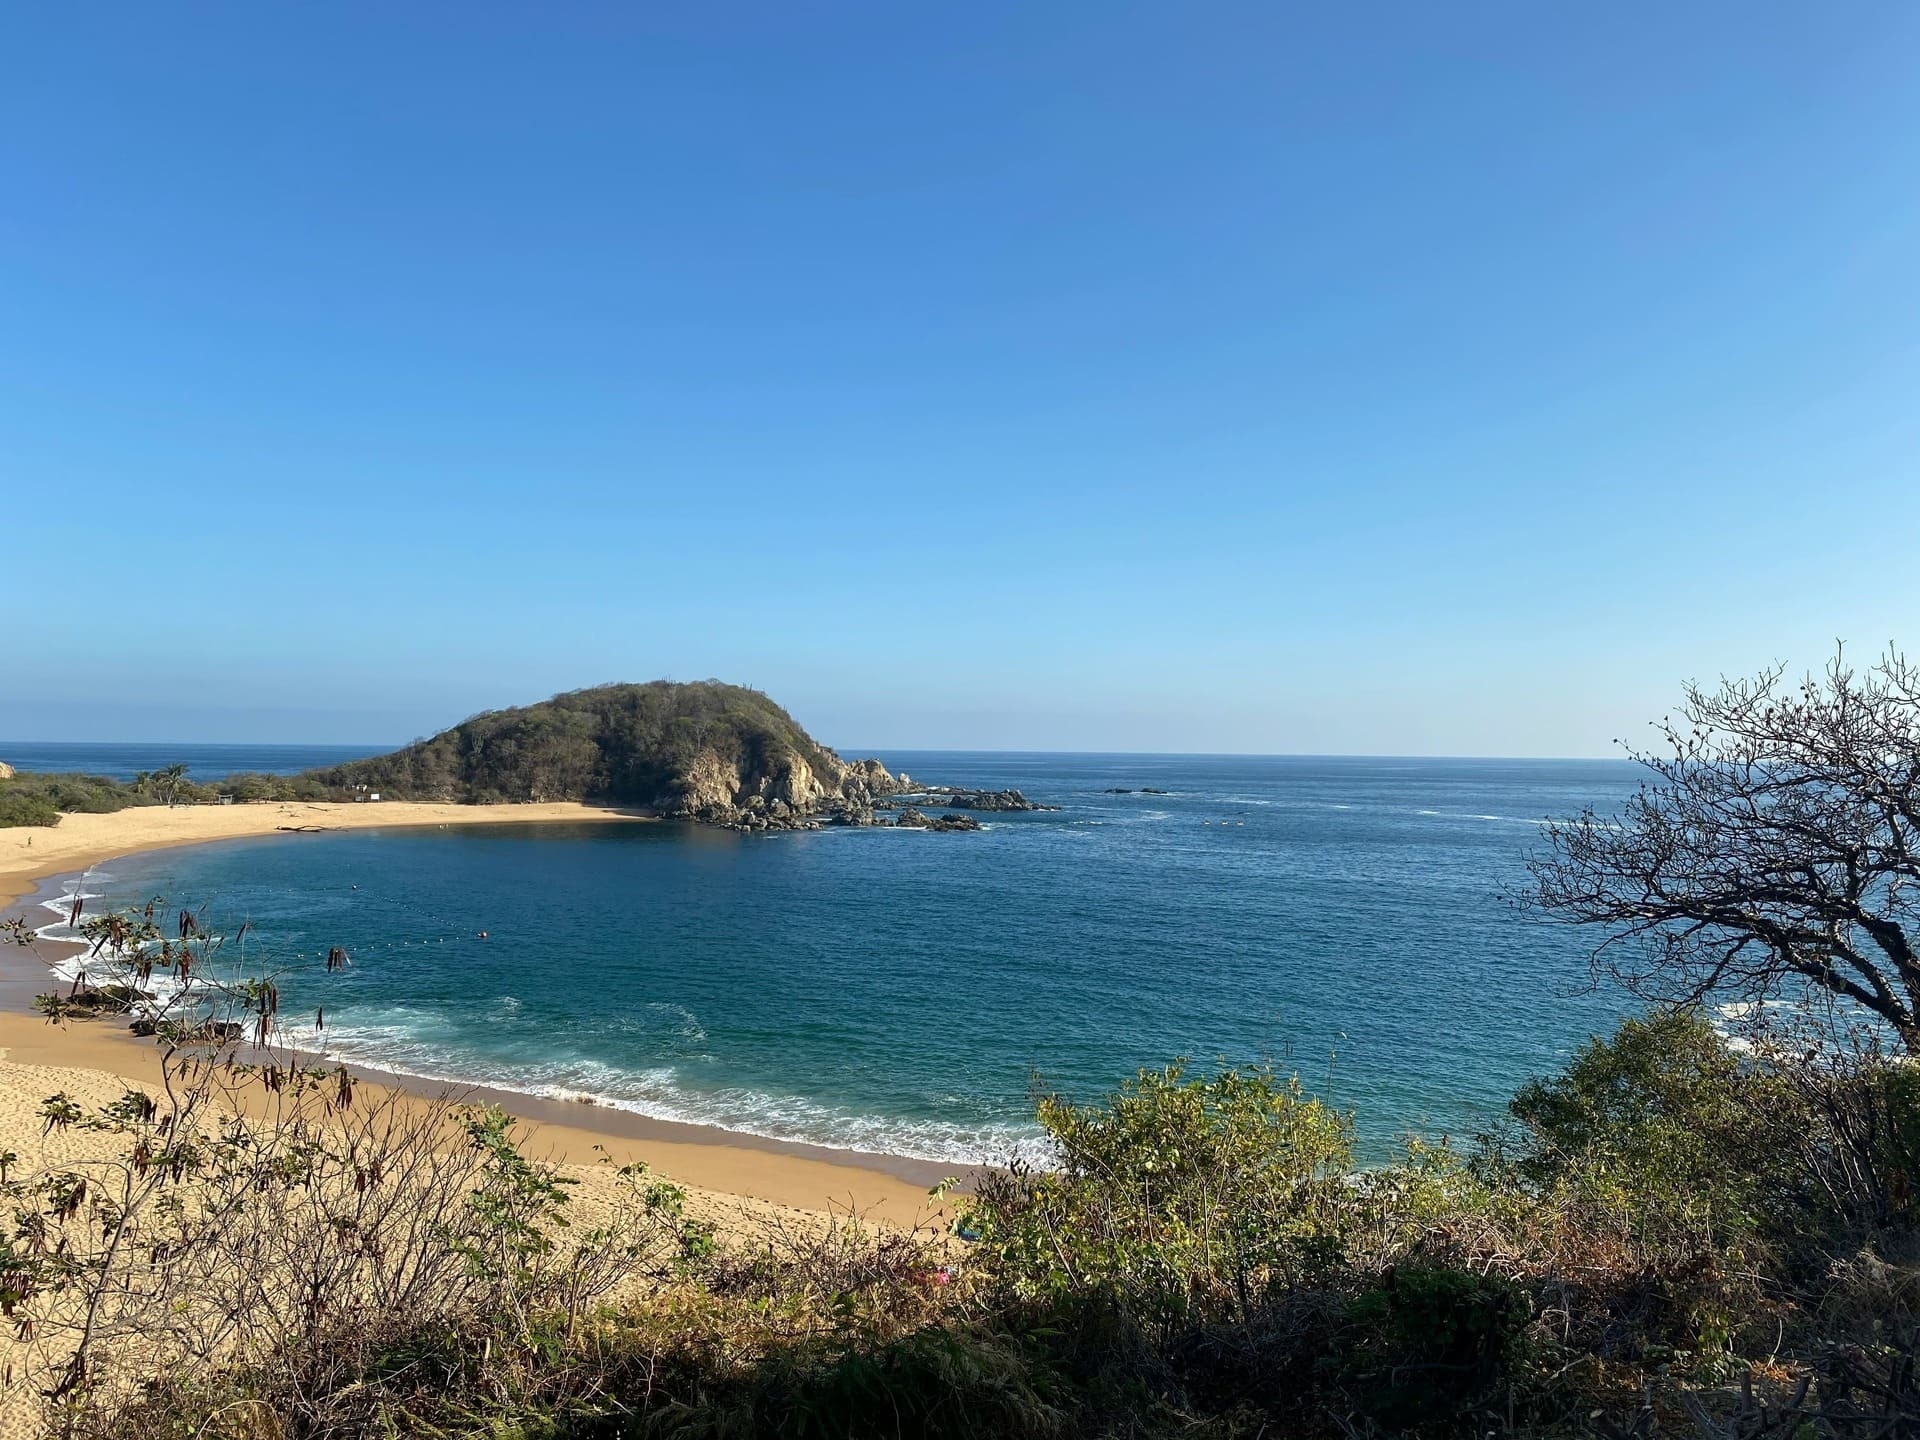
column 1401, row 378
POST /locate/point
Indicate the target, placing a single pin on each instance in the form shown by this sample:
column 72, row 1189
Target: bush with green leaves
column 1661, row 1122
column 21, row 805
column 1178, row 1198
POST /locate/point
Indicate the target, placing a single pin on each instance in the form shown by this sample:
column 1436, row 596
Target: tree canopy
column 1775, row 841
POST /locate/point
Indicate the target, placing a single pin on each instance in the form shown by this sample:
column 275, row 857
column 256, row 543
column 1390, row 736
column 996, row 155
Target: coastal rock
column 709, row 790
column 207, row 1032
column 6, row 771
column 988, row 800
column 913, row 818
column 94, row 1000
column 781, row 793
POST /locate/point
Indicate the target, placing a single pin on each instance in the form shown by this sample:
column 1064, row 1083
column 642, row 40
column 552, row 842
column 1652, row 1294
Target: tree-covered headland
column 703, row 750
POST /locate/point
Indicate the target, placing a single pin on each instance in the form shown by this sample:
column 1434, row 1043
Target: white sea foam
column 659, row 1093
column 689, row 1027
column 1471, row 815
column 63, row 904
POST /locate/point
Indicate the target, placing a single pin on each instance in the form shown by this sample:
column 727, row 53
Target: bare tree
column 1775, row 841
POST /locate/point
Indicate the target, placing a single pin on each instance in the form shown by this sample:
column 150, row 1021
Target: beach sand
column 30, row 852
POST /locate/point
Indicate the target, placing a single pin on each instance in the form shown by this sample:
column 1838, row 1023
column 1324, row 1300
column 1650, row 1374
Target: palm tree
column 167, row 782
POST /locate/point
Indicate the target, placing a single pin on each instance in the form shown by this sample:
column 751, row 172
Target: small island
column 705, row 752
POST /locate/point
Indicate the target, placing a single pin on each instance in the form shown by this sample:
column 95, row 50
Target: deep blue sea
column 896, row 991
column 203, row 762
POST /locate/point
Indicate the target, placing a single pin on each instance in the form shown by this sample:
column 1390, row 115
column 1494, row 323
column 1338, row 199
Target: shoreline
column 726, row 1162
column 31, row 853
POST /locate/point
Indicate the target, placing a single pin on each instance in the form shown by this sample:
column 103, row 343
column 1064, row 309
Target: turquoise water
column 894, row 991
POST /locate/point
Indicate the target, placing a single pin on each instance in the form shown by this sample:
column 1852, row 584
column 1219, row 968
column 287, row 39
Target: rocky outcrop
column 785, row 793
column 709, row 790
column 6, row 771
column 913, row 818
column 986, row 800
column 180, row 1032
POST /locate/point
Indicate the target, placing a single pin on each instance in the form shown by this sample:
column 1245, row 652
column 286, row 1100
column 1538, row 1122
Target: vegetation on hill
column 622, row 744
column 707, row 749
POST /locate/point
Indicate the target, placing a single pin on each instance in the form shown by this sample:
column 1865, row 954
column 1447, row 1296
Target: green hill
column 705, row 750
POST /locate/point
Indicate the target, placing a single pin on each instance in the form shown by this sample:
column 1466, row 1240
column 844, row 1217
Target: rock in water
column 989, row 800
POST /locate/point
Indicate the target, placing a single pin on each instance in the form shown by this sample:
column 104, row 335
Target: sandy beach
column 29, row 852
column 716, row 1162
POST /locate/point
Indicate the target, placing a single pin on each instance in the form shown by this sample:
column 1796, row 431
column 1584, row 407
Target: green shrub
column 1663, row 1123
column 23, row 807
column 1178, row 1199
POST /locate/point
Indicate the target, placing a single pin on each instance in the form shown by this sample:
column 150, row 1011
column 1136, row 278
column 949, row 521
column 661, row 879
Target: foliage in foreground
column 1671, row 1237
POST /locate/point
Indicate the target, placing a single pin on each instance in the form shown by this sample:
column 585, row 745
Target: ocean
column 203, row 762
column 903, row 992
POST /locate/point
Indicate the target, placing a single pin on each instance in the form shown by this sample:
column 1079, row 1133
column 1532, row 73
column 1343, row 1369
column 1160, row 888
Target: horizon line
column 860, row 751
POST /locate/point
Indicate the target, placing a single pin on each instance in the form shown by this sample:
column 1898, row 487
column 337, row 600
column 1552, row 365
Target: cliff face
column 781, row 791
column 706, row 751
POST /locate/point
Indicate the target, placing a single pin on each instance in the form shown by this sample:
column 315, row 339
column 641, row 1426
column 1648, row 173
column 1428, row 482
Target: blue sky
column 1202, row 376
